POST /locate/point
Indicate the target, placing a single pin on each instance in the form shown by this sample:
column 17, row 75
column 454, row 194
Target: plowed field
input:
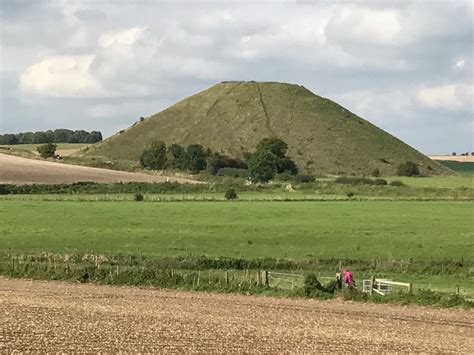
column 56, row 316
column 18, row 170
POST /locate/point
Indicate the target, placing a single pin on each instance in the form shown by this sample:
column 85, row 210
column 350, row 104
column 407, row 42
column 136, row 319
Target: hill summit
column 232, row 117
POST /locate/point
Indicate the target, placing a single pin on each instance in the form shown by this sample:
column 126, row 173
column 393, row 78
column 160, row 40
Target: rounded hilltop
column 233, row 116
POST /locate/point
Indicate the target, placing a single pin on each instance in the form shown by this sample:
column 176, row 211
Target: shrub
column 396, row 183
column 376, row 173
column 353, row 180
column 313, row 288
column 4, row 190
column 380, row 182
column 138, row 197
column 230, row 195
column 408, row 168
column 47, row 150
column 311, row 284
column 304, row 178
column 284, row 176
column 216, row 161
column 350, row 195
column 233, row 172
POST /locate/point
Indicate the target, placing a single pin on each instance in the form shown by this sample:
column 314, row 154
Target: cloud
column 61, row 76
column 364, row 25
column 449, row 97
column 403, row 65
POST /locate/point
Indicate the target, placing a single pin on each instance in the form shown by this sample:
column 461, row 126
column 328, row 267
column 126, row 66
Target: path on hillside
column 57, row 317
column 18, row 170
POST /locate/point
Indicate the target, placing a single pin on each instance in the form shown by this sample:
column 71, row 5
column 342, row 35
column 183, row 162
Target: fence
column 384, row 286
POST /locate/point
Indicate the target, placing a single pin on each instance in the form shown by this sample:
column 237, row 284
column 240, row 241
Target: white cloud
column 460, row 64
column 449, row 97
column 61, row 76
column 364, row 25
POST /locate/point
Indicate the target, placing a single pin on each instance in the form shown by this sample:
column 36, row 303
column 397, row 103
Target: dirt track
column 56, row 316
column 17, row 170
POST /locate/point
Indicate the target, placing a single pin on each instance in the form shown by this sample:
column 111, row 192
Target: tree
column 274, row 145
column 47, row 150
column 154, row 157
column 270, row 159
column 93, row 137
column 263, row 165
column 196, row 158
column 176, row 157
column 408, row 168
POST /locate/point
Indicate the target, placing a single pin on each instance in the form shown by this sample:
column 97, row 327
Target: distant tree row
column 56, row 136
column 268, row 160
column 193, row 158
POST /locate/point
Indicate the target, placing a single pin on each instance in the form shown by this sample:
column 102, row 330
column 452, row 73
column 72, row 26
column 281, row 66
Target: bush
column 233, row 172
column 396, row 183
column 353, row 180
column 284, row 176
column 376, row 173
column 230, row 195
column 311, row 285
column 350, row 195
column 380, row 182
column 408, row 168
column 154, row 157
column 138, row 197
column 303, row 178
column 47, row 150
column 4, row 190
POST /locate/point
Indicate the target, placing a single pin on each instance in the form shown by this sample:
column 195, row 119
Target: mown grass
column 295, row 230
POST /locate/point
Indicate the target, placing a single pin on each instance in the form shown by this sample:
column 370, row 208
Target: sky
column 406, row 66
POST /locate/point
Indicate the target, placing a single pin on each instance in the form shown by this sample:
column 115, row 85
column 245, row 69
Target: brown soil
column 62, row 317
column 18, row 170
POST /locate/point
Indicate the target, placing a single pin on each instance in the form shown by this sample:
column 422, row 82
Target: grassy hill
column 232, row 117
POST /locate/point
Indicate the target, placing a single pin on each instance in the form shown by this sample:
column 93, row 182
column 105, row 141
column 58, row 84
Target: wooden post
column 199, row 276
column 227, row 277
column 258, row 278
column 265, row 279
column 410, row 288
column 117, row 270
column 372, row 284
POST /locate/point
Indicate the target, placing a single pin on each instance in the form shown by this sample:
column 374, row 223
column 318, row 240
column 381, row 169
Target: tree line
column 268, row 160
column 52, row 136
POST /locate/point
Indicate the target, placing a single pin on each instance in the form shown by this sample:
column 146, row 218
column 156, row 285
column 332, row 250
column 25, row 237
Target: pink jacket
column 348, row 278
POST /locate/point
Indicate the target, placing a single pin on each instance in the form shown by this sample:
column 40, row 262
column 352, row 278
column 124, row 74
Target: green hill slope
column 232, row 117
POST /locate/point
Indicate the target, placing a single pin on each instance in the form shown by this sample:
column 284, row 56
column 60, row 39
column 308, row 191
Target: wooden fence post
column 265, row 279
column 258, row 278
column 372, row 284
column 410, row 288
column 227, row 277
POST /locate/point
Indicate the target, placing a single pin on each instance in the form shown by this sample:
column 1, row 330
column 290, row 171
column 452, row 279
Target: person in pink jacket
column 348, row 278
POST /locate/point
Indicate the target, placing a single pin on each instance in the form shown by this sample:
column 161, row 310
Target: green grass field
column 296, row 230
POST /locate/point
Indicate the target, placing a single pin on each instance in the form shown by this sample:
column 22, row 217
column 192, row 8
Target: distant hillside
column 232, row 117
